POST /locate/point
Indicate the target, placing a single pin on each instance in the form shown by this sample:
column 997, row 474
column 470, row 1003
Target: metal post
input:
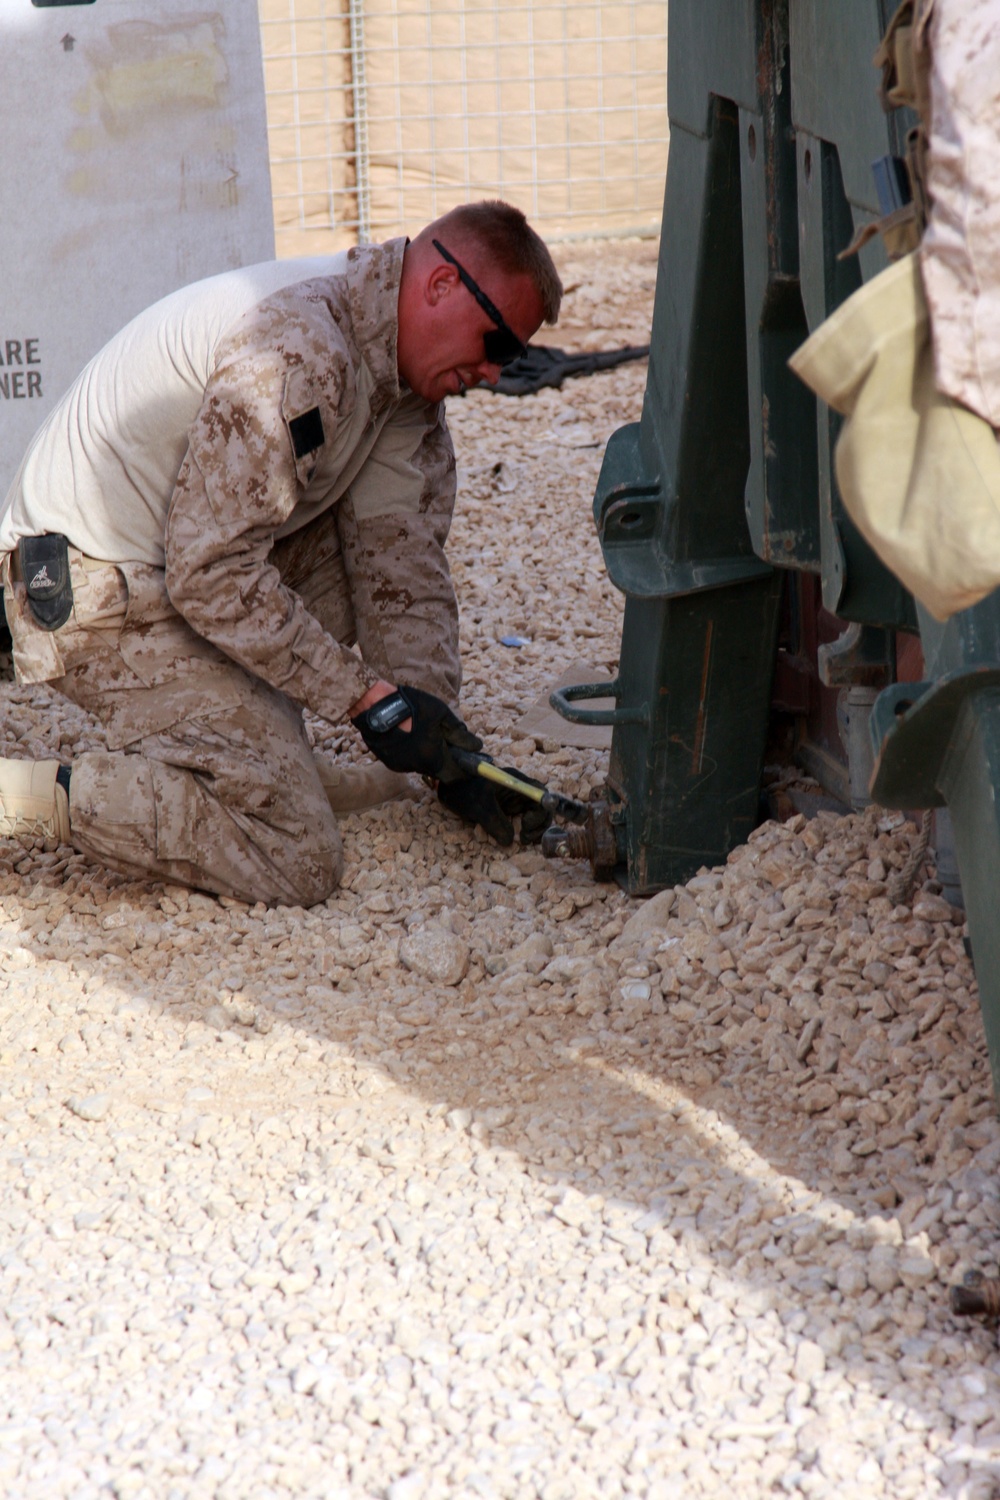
column 854, row 712
column 361, row 157
column 946, row 857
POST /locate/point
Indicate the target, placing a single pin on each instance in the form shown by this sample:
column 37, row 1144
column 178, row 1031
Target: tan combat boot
column 352, row 788
column 32, row 802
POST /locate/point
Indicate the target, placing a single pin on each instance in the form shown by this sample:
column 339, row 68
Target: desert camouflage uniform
column 960, row 255
column 275, row 563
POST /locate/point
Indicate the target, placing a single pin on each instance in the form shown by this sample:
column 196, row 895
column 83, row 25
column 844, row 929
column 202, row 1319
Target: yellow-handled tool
column 567, row 808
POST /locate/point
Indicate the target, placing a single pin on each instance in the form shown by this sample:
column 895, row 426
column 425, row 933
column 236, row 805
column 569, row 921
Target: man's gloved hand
column 534, row 817
column 493, row 808
column 476, row 802
column 426, row 746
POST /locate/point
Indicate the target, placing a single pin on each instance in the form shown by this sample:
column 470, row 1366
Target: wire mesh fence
column 384, row 113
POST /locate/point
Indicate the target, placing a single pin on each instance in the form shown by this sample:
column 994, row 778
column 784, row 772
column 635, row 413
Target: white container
column 134, row 160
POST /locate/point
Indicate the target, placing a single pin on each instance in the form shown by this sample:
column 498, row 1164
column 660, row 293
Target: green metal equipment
column 727, row 481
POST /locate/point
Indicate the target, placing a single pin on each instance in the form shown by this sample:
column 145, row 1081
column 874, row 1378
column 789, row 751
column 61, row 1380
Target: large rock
column 930, row 908
column 651, row 917
column 435, row 954
column 90, row 1107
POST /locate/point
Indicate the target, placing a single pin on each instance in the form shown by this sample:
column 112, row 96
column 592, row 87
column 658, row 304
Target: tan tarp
column 560, row 108
column 918, row 473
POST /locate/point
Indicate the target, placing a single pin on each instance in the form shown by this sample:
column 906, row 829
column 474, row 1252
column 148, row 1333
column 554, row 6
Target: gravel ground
column 482, row 1180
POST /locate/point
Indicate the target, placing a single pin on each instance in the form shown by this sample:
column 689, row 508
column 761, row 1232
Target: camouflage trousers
column 209, row 780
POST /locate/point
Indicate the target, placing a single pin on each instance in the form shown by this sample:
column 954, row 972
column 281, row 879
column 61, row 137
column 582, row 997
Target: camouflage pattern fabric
column 310, row 512
column 311, row 367
column 960, row 255
column 209, row 780
column 383, row 583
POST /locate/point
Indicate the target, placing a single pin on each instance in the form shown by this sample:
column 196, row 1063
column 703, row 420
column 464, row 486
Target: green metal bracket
column 634, row 516
column 563, row 700
column 915, row 727
column 938, row 743
column 698, row 640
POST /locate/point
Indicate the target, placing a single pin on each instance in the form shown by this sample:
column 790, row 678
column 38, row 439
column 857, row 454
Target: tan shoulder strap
column 904, row 56
column 895, row 58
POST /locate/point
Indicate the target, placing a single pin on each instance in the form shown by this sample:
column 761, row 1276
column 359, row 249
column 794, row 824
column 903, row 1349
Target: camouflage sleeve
column 240, row 479
column 401, row 588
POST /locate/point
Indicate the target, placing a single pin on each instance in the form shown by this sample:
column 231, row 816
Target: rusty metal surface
column 595, row 840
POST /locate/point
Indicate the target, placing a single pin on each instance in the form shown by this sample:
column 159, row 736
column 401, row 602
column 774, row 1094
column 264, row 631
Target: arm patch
column 307, row 432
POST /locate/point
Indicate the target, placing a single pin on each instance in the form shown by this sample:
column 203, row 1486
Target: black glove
column 493, row 808
column 426, row 746
column 534, row 817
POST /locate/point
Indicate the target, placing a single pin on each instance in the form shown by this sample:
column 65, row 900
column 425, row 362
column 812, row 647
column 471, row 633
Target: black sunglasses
column 501, row 344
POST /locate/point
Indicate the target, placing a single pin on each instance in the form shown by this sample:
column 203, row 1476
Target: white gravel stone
column 409, row 1486
column 882, row 1269
column 810, row 1361
column 90, row 1106
column 916, row 1270
column 932, row 908
column 650, row 918
column 435, row 954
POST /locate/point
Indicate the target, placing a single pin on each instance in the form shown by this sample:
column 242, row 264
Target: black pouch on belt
column 44, row 565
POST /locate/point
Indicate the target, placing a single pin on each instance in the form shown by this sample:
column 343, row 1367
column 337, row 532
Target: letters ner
column 18, row 385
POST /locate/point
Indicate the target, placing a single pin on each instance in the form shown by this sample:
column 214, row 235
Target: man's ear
column 439, row 283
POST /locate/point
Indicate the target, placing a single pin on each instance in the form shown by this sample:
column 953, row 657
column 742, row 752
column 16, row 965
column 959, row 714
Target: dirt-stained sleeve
column 280, row 387
column 401, row 588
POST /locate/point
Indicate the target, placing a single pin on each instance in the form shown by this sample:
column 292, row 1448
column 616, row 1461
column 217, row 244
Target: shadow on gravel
column 642, row 1149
